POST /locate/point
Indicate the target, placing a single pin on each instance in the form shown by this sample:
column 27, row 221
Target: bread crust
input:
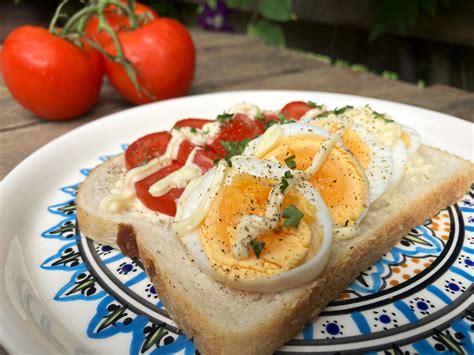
column 301, row 305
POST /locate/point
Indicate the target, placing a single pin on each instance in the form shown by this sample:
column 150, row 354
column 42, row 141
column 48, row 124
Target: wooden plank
column 224, row 66
column 204, row 40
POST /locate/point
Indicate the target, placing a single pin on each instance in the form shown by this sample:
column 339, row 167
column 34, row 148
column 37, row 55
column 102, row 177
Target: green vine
column 74, row 31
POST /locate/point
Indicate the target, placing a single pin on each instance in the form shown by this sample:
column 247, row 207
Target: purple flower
column 215, row 19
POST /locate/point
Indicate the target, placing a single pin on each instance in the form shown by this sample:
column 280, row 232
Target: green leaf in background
column 277, row 10
column 239, row 4
column 394, row 12
column 212, row 4
column 401, row 13
column 269, row 31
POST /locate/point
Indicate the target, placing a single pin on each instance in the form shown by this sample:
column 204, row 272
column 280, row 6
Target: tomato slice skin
column 239, row 128
column 192, row 122
column 205, row 159
column 166, row 203
column 295, row 109
column 146, row 148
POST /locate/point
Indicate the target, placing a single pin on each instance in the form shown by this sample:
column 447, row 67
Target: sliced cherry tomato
column 295, row 109
column 146, row 148
column 192, row 122
column 239, row 128
column 185, row 149
column 166, row 203
column 205, row 159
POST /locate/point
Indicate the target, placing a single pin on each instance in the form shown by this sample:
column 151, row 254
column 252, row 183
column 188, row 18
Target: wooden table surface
column 232, row 62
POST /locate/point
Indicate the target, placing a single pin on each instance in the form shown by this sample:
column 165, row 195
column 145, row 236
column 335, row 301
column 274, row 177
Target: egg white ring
column 379, row 171
column 297, row 276
column 415, row 140
column 289, row 129
column 400, row 160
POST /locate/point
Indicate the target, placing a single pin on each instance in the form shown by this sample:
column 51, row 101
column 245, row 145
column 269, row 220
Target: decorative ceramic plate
column 64, row 293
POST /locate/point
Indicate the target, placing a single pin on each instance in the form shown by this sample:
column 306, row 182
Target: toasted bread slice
column 224, row 320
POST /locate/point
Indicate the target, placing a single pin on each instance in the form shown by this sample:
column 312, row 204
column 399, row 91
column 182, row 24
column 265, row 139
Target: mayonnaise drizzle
column 251, row 110
column 124, row 191
column 251, row 226
column 177, row 179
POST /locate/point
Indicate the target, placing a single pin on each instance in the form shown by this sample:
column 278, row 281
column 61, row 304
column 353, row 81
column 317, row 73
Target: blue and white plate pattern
column 417, row 299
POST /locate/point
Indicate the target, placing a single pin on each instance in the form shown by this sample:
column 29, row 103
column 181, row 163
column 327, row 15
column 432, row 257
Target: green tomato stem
column 57, row 15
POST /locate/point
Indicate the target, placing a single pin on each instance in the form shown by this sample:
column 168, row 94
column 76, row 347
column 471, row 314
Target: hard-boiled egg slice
column 403, row 141
column 411, row 140
column 341, row 180
column 374, row 156
column 290, row 257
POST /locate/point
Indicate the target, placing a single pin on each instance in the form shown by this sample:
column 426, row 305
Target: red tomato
column 49, row 75
column 166, row 203
column 295, row 109
column 239, row 128
column 192, row 122
column 163, row 55
column 204, row 158
column 185, row 149
column 146, row 148
column 118, row 22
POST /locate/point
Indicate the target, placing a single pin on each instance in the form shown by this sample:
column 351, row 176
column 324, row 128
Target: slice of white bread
column 227, row 321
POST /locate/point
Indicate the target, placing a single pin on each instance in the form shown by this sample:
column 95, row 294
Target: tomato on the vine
column 117, row 20
column 162, row 53
column 49, row 75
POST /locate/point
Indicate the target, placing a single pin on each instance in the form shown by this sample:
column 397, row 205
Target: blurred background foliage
column 421, row 41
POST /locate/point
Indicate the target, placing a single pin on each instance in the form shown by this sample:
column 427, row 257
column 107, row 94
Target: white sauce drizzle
column 179, row 178
column 251, row 110
column 251, row 226
column 124, row 192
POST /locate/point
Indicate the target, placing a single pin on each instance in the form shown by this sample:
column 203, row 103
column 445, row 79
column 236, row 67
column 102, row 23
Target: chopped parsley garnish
column 224, row 117
column 283, row 119
column 228, row 161
column 193, row 130
column 257, row 247
column 312, row 104
column 340, row 110
column 269, row 123
column 235, row 147
column 284, row 180
column 290, row 162
column 382, row 117
column 259, row 116
column 292, row 216
column 216, row 161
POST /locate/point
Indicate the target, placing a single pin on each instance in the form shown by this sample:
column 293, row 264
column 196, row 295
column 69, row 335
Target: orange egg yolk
column 284, row 249
column 340, row 180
